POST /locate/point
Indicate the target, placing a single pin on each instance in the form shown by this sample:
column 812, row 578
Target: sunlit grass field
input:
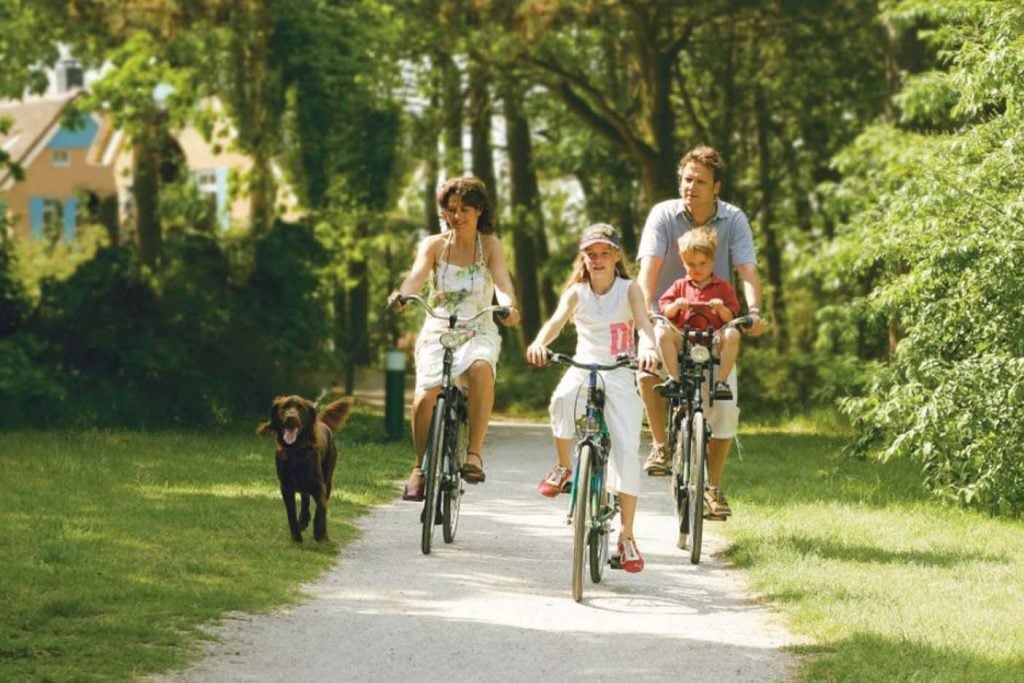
column 116, row 547
column 888, row 584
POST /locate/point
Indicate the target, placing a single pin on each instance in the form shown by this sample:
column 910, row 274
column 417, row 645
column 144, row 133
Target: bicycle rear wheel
column 432, row 473
column 695, row 485
column 580, row 519
column 451, row 490
column 597, row 537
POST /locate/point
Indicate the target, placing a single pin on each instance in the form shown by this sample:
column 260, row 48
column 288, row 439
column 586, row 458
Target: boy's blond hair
column 703, row 241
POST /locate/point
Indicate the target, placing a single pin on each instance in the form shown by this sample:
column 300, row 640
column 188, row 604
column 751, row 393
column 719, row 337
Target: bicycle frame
column 445, row 452
column 590, row 507
column 688, row 430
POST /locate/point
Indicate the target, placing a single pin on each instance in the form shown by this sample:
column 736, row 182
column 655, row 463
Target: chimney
column 69, row 75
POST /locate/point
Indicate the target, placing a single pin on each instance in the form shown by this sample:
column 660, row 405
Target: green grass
column 888, row 584
column 116, row 548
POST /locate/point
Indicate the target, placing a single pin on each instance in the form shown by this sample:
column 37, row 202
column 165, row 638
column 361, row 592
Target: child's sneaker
column 722, row 391
column 557, row 481
column 629, row 556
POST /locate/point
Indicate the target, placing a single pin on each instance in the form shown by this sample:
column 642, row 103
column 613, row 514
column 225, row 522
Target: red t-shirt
column 685, row 288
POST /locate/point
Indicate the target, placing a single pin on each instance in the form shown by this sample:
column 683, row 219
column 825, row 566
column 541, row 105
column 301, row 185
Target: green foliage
column 112, row 345
column 931, row 244
column 14, row 302
column 280, row 325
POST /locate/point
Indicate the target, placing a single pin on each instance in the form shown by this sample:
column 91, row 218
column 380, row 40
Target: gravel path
column 495, row 605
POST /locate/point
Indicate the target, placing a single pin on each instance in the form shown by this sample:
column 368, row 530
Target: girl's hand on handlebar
column 647, row 359
column 537, row 354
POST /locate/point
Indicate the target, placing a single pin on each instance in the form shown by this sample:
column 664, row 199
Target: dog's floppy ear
column 335, row 413
column 267, row 427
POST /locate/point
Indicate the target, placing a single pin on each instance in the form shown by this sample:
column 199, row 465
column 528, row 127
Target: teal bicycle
column 591, row 505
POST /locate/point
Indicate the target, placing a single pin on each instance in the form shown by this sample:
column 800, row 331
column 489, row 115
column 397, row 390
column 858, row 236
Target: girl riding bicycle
column 606, row 307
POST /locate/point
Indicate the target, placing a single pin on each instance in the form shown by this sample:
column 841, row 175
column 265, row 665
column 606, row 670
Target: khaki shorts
column 723, row 416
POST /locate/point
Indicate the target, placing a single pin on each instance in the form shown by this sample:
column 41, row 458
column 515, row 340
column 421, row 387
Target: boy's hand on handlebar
column 537, row 354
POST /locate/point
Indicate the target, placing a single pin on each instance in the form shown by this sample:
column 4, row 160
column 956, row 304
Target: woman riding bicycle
column 606, row 306
column 466, row 267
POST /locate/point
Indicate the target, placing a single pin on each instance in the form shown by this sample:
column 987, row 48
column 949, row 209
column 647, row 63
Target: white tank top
column 604, row 322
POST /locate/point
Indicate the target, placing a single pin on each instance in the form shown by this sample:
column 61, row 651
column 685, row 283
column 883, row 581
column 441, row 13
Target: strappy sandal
column 415, row 492
column 473, row 474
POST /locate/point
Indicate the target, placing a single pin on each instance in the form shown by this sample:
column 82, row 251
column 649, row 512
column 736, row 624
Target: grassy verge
column 889, row 585
column 117, row 547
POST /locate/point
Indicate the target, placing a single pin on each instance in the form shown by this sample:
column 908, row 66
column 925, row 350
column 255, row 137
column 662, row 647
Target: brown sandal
column 473, row 474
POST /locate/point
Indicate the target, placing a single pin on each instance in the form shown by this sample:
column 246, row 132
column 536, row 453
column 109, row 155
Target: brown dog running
column 306, row 456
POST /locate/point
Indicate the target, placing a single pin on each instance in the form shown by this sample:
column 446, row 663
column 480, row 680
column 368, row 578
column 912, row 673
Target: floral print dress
column 462, row 290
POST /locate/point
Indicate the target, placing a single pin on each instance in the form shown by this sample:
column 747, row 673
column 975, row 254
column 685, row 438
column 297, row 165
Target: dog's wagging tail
column 306, row 457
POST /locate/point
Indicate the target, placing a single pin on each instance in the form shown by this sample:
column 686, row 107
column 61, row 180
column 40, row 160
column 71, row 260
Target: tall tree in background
column 253, row 85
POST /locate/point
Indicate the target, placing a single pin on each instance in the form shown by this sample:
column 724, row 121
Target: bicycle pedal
column 615, row 562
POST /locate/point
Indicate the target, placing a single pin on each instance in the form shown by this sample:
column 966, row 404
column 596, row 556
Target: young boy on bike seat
column 703, row 300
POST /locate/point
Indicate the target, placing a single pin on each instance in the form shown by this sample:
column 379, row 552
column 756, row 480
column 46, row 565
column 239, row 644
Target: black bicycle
column 687, row 431
column 448, row 437
column 591, row 506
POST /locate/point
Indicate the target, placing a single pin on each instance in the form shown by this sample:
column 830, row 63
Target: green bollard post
column 394, row 393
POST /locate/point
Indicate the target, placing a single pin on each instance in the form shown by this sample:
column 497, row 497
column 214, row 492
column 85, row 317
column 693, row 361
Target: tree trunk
column 451, row 115
column 526, row 211
column 480, row 131
column 145, row 193
column 261, row 195
column 773, row 254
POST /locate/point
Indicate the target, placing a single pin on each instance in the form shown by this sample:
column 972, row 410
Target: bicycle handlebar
column 500, row 311
column 743, row 322
column 623, row 360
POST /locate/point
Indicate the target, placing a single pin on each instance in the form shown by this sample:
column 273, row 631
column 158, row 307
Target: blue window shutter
column 70, row 218
column 35, row 216
column 223, row 209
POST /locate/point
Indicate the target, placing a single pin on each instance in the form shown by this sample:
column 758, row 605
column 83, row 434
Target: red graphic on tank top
column 622, row 337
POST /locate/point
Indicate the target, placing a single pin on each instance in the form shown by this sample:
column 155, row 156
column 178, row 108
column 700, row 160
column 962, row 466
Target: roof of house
column 35, row 122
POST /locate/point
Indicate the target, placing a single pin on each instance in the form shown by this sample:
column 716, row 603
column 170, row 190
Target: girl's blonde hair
column 579, row 267
column 703, row 241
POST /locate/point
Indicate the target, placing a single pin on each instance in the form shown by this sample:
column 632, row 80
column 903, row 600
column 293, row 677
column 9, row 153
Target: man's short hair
column 705, row 156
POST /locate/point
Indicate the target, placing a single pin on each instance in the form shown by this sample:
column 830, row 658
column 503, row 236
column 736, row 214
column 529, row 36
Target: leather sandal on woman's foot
column 473, row 474
column 415, row 492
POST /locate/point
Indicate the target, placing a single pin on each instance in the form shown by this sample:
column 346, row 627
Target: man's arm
column 752, row 293
column 650, row 269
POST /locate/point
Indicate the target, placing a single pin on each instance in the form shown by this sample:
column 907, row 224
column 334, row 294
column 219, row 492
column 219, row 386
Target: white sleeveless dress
column 604, row 329
column 462, row 290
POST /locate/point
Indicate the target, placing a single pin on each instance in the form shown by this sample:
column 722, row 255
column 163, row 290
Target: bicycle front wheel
column 432, row 473
column 580, row 519
column 451, row 490
column 680, row 482
column 695, row 485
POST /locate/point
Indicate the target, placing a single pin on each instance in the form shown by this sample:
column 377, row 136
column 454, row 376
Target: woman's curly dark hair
column 472, row 192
